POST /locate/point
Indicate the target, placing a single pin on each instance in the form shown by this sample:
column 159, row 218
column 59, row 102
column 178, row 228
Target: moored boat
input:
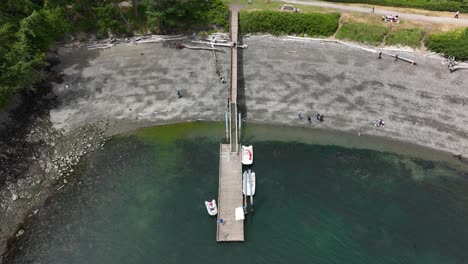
column 211, row 207
column 247, row 154
column 248, row 183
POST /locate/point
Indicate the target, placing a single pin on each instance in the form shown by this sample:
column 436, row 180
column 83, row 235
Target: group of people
column 395, row 19
column 391, row 18
column 379, row 123
column 320, row 117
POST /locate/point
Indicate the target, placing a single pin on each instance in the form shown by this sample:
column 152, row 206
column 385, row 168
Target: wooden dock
column 229, row 196
column 234, row 38
column 234, row 131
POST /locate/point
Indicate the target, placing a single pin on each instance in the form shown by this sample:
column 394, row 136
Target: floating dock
column 229, row 196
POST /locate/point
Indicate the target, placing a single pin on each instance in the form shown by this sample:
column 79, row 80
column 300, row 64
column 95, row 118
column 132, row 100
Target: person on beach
column 373, row 9
column 179, row 95
column 299, row 115
column 457, row 14
column 320, row 117
column 309, row 119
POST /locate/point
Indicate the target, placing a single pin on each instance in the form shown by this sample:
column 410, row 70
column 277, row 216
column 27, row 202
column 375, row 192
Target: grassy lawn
column 363, row 33
column 274, row 6
column 410, row 37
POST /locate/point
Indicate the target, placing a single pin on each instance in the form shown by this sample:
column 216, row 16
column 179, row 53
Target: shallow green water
column 140, row 200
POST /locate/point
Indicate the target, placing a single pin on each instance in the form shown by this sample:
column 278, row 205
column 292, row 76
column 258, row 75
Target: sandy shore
column 127, row 87
column 134, row 86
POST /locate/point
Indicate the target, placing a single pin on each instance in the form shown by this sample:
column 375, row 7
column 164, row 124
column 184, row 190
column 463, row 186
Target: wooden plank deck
column 233, row 97
column 229, row 196
column 234, row 38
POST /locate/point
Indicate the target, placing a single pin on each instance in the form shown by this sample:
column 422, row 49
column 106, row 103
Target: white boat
column 248, row 183
column 211, row 207
column 247, row 154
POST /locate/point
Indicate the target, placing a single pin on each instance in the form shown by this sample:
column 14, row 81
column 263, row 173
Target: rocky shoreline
column 36, row 161
column 106, row 92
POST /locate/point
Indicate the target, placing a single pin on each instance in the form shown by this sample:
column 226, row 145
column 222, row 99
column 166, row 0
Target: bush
column 436, row 5
column 363, row 33
column 281, row 23
column 219, row 14
column 407, row 37
column 453, row 43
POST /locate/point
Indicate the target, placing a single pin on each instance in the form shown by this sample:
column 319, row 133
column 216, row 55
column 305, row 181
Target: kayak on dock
column 247, row 154
column 211, row 207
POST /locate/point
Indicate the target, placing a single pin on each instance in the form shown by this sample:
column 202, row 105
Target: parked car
column 289, row 8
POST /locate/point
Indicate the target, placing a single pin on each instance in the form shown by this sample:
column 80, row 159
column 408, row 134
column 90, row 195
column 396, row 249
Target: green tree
column 167, row 16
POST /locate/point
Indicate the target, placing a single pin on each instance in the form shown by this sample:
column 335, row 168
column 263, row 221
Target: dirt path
column 388, row 10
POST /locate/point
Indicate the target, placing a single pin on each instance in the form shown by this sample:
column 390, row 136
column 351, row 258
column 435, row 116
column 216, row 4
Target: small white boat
column 211, row 207
column 248, row 183
column 247, row 154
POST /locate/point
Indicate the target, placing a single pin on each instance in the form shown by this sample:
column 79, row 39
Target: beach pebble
column 20, row 233
column 14, row 197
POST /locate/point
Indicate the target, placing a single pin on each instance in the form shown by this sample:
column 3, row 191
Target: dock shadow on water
column 241, row 102
column 141, row 200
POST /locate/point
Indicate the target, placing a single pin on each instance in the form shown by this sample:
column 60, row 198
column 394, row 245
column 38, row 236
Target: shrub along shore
column 280, row 23
column 453, row 43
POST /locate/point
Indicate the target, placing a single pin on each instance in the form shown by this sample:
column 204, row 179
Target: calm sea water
column 141, row 200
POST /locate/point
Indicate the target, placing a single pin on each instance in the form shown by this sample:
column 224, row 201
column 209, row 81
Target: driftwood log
column 183, row 46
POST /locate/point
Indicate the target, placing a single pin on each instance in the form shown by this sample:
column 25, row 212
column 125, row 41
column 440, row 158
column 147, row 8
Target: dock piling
column 227, row 127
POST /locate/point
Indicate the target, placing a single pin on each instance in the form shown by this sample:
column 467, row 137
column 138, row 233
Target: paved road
column 381, row 12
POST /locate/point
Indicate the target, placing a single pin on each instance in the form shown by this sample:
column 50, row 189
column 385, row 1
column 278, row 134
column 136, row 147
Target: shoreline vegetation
column 281, row 23
column 29, row 31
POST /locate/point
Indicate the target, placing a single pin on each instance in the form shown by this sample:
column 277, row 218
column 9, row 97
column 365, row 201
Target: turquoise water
column 141, row 200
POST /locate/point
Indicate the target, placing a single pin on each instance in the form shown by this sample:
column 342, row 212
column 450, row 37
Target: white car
column 289, row 8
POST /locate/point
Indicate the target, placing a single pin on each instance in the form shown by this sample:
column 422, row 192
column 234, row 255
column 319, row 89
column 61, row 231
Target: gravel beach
column 135, row 86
